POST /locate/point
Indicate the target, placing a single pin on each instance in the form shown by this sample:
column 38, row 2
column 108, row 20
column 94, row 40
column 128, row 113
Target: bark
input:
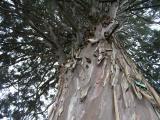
column 100, row 84
column 104, row 91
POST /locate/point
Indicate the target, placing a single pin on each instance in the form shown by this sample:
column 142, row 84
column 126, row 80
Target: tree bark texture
column 104, row 90
column 100, row 84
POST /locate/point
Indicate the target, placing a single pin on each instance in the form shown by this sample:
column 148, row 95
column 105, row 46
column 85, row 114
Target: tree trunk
column 101, row 85
column 104, row 90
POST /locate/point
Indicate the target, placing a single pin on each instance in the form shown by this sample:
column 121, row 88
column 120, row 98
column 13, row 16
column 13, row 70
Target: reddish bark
column 104, row 91
column 102, row 86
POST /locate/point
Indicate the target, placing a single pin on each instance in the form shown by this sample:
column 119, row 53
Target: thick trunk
column 103, row 89
column 101, row 85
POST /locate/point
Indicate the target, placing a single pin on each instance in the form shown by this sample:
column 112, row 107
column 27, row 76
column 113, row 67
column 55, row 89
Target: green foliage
column 35, row 34
column 143, row 42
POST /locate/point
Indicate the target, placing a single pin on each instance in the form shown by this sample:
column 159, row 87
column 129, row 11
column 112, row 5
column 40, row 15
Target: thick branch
column 68, row 18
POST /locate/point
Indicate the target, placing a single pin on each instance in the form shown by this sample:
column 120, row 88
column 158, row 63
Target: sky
column 155, row 27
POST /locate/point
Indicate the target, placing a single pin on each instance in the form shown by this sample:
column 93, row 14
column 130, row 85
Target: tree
column 93, row 71
column 101, row 84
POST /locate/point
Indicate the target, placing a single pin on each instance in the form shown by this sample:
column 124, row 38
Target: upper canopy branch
column 107, row 25
column 145, row 7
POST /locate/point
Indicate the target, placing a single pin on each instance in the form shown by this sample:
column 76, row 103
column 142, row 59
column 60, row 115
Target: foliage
column 35, row 34
column 142, row 41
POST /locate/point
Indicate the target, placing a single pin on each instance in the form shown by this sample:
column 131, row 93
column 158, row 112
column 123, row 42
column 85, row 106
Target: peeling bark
column 104, row 88
column 104, row 91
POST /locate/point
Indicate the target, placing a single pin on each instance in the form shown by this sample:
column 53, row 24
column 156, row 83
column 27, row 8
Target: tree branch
column 48, row 41
column 145, row 7
column 145, row 19
column 136, row 4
